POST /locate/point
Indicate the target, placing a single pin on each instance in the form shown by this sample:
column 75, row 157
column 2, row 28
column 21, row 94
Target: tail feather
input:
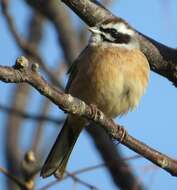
column 61, row 150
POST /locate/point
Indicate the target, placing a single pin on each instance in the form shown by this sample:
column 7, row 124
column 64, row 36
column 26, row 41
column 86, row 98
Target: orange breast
column 112, row 78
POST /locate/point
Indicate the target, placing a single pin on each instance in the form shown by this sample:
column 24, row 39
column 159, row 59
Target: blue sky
column 154, row 121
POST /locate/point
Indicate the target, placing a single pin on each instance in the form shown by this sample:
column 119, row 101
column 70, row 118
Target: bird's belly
column 110, row 90
column 110, row 96
column 115, row 86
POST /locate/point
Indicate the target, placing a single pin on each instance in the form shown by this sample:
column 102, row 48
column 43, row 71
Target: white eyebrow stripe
column 120, row 27
column 108, row 36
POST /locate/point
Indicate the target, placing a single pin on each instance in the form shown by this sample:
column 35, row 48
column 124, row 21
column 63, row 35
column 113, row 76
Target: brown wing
column 72, row 72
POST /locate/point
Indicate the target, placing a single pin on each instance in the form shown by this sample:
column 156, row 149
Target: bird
column 111, row 73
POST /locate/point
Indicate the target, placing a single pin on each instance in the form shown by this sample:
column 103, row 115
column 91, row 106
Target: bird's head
column 113, row 32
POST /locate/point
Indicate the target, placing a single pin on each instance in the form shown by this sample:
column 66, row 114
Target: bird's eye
column 113, row 36
column 113, row 31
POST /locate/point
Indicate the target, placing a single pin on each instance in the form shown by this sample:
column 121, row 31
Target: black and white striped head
column 113, row 33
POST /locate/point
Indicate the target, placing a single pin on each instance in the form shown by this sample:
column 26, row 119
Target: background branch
column 120, row 171
column 29, row 49
column 14, row 178
column 42, row 117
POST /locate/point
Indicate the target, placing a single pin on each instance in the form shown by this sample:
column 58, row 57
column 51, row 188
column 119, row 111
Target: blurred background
column 49, row 33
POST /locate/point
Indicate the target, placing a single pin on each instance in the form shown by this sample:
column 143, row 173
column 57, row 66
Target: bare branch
column 45, row 105
column 35, row 27
column 29, row 168
column 26, row 47
column 30, row 116
column 20, row 94
column 14, row 178
column 114, row 160
column 13, row 126
column 59, row 16
column 78, row 180
column 23, row 72
column 91, row 12
column 87, row 169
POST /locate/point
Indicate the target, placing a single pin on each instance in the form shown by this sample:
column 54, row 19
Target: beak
column 94, row 30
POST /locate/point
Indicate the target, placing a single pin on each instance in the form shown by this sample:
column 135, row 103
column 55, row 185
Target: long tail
column 61, row 150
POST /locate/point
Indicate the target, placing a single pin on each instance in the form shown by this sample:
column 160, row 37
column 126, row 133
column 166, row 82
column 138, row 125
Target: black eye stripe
column 122, row 38
column 117, row 36
column 108, row 30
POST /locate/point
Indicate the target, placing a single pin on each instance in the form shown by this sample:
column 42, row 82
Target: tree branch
column 23, row 71
column 14, row 179
column 58, row 14
column 89, row 169
column 162, row 59
column 25, row 115
column 121, row 172
column 28, row 48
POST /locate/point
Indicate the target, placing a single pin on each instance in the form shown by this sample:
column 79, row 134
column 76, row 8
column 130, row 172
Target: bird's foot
column 94, row 112
column 123, row 134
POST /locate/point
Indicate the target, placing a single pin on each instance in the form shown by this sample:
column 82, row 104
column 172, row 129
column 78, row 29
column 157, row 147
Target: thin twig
column 75, row 178
column 59, row 16
column 45, row 105
column 83, row 170
column 29, row 115
column 90, row 168
column 13, row 178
